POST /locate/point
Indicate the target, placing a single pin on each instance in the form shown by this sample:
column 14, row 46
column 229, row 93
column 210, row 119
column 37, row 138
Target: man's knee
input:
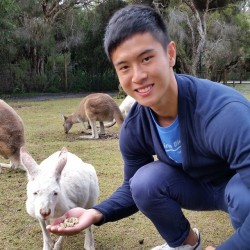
column 146, row 185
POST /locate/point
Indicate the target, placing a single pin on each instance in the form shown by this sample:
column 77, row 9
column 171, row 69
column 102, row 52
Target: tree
column 54, row 8
column 90, row 55
column 188, row 24
column 46, row 28
column 8, row 11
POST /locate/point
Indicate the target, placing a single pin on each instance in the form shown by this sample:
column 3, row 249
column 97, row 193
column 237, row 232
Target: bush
column 84, row 81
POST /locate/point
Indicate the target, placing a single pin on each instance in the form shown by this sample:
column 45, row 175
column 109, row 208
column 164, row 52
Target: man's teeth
column 143, row 90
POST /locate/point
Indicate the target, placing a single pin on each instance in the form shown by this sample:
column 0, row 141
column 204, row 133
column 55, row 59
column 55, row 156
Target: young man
column 198, row 129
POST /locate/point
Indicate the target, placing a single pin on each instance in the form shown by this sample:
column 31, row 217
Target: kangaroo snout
column 45, row 212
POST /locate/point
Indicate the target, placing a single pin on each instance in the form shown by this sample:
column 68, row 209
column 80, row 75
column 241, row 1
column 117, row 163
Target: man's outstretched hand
column 86, row 217
column 210, row 248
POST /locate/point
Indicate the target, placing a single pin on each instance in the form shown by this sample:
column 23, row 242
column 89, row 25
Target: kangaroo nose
column 45, row 212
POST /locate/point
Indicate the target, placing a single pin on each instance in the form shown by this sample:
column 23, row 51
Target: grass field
column 44, row 135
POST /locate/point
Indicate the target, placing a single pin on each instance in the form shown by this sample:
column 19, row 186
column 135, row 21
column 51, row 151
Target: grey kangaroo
column 11, row 136
column 94, row 107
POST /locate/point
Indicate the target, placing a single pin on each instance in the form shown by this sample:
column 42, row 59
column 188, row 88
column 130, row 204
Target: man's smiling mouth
column 144, row 90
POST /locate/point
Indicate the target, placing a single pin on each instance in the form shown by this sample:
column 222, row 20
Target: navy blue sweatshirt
column 215, row 138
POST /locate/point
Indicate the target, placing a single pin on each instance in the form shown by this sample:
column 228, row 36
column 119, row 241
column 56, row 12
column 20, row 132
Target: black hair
column 131, row 20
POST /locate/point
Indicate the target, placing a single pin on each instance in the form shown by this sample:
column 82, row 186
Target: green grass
column 244, row 88
column 44, row 135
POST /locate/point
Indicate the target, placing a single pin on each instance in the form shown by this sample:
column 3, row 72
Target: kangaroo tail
column 110, row 124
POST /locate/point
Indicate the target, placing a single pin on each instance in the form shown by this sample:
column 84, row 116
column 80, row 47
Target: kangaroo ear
column 64, row 117
column 79, row 119
column 28, row 162
column 62, row 160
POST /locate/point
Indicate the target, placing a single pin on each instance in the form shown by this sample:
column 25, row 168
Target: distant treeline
column 57, row 46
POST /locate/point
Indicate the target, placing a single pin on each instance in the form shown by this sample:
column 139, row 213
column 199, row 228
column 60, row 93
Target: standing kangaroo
column 94, row 107
column 11, row 136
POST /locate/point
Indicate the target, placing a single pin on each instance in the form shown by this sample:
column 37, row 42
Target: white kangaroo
column 11, row 136
column 94, row 107
column 126, row 105
column 61, row 182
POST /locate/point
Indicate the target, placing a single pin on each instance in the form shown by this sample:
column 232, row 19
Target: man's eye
column 146, row 59
column 124, row 68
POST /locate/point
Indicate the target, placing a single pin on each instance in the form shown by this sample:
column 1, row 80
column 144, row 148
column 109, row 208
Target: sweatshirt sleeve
column 135, row 155
column 118, row 206
column 227, row 135
column 239, row 240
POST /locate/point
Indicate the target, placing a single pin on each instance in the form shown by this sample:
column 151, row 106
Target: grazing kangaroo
column 11, row 136
column 94, row 107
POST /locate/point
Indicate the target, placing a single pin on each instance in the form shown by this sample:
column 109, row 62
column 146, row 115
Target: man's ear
column 171, row 50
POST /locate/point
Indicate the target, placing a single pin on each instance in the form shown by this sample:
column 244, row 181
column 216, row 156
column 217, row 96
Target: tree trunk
column 200, row 39
column 65, row 73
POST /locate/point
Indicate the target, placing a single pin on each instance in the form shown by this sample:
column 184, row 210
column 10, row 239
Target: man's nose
column 139, row 75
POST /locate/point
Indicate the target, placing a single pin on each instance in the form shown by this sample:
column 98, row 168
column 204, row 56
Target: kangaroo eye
column 35, row 193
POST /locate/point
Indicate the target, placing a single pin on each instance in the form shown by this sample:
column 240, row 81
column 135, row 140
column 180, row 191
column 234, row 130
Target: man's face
column 144, row 68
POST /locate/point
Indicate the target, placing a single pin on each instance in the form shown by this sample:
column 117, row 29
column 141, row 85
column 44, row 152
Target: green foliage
column 8, row 10
column 242, row 20
column 90, row 55
column 214, row 4
column 147, row 2
column 55, row 83
column 32, row 46
column 225, row 29
column 85, row 81
column 27, row 82
column 20, row 72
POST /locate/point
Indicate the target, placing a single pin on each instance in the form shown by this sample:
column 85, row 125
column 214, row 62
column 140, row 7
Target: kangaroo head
column 67, row 123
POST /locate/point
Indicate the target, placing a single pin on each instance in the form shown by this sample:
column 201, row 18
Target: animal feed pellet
column 69, row 222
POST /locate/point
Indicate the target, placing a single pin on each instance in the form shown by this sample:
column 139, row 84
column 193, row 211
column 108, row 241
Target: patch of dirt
column 109, row 136
column 106, row 136
column 18, row 106
column 71, row 137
